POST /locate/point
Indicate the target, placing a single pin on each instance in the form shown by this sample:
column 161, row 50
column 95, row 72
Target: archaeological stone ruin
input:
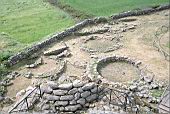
column 99, row 66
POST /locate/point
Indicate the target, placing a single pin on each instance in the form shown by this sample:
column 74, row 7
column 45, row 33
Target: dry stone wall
column 68, row 97
column 140, row 12
column 29, row 51
column 54, row 74
column 92, row 67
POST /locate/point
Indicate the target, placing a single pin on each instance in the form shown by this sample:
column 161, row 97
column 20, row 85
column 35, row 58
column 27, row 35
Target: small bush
column 4, row 55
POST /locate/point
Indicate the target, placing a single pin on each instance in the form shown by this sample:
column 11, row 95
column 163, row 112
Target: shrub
column 4, row 55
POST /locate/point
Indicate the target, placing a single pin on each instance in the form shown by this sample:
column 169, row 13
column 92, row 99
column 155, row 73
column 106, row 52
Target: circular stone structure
column 161, row 41
column 118, row 69
column 54, row 72
column 164, row 42
column 100, row 45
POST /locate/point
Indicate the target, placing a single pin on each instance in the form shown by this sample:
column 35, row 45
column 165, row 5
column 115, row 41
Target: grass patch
column 109, row 7
column 28, row 21
column 76, row 14
column 3, row 71
column 23, row 22
column 168, row 45
column 157, row 93
column 8, row 46
column 4, row 55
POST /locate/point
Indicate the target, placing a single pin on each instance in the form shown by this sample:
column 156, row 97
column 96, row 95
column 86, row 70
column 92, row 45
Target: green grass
column 23, row 22
column 3, row 71
column 168, row 45
column 28, row 21
column 157, row 93
column 109, row 7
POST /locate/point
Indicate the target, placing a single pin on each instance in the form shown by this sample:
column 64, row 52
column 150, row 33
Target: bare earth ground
column 139, row 48
column 137, row 44
column 19, row 84
column 165, row 43
column 119, row 72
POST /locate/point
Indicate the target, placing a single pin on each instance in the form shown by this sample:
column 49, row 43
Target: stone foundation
column 92, row 68
column 68, row 97
column 54, row 38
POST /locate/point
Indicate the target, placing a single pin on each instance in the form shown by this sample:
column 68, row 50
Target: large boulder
column 56, row 50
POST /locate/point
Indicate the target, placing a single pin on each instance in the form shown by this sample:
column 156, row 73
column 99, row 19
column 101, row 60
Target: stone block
column 81, row 101
column 60, row 92
column 66, row 86
column 85, row 94
column 73, row 102
column 88, row 86
column 72, row 108
column 73, row 91
column 50, row 97
column 46, row 89
column 77, row 96
column 91, row 98
column 61, row 103
column 78, row 83
column 67, row 97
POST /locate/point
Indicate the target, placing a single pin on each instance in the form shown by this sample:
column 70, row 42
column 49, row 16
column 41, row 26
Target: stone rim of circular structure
column 84, row 47
column 92, row 68
column 54, row 72
column 157, row 42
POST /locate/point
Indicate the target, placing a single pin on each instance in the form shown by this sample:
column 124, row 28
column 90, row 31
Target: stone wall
column 68, row 97
column 92, row 67
column 54, row 74
column 29, row 51
column 140, row 12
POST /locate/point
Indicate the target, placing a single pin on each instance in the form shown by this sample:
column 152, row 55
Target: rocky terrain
column 79, row 73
